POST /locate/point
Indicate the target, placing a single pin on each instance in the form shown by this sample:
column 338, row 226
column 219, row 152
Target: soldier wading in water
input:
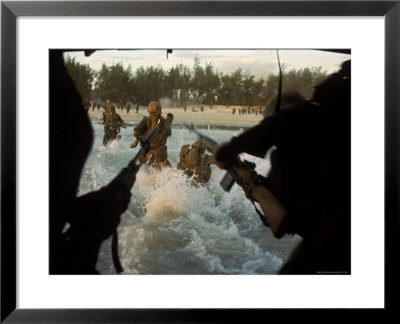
column 157, row 154
column 195, row 162
column 112, row 122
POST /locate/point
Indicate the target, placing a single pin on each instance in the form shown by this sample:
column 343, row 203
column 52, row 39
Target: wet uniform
column 157, row 154
column 195, row 162
column 112, row 122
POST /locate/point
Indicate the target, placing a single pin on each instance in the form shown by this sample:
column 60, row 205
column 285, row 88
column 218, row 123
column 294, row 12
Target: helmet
column 154, row 106
column 200, row 145
column 108, row 102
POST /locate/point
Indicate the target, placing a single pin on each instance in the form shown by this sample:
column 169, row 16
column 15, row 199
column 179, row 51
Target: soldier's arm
column 184, row 151
column 167, row 125
column 121, row 121
column 259, row 139
column 209, row 159
column 168, row 132
column 94, row 217
column 273, row 210
column 141, row 128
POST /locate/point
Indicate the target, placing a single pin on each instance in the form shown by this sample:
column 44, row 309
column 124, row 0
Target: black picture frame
column 11, row 10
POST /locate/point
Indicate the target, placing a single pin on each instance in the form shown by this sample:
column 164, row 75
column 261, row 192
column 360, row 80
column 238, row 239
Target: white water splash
column 172, row 227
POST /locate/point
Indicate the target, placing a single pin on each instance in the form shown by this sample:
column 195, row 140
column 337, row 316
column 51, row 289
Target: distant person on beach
column 195, row 162
column 120, row 106
column 127, row 107
column 157, row 154
column 137, row 107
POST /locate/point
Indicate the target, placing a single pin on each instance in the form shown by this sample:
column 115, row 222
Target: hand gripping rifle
column 231, row 175
column 127, row 178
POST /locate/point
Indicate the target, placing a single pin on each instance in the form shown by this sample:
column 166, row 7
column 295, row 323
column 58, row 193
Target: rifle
column 102, row 119
column 231, row 175
column 139, row 114
column 127, row 177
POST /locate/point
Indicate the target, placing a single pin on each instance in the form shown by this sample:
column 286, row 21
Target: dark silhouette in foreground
column 78, row 225
column 308, row 188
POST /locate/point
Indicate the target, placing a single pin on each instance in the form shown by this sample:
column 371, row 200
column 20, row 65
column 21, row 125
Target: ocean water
column 171, row 227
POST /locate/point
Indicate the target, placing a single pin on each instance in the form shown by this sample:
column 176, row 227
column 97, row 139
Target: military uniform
column 157, row 154
column 195, row 162
column 112, row 122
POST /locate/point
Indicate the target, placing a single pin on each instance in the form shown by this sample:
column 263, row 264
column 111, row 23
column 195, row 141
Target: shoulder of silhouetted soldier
column 288, row 98
column 335, row 91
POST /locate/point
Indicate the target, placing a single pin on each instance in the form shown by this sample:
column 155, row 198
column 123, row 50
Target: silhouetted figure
column 310, row 173
column 78, row 225
column 289, row 97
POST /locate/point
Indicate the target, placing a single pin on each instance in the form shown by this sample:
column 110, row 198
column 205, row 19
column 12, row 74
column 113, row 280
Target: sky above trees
column 257, row 62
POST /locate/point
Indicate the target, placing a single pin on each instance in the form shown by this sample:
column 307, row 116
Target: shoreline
column 218, row 117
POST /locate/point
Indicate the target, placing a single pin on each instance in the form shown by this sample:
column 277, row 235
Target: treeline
column 186, row 86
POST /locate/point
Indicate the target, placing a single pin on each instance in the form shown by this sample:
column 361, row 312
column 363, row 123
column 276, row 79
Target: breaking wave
column 172, row 227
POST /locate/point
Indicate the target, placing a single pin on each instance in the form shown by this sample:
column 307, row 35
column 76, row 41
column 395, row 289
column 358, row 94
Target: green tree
column 249, row 91
column 177, row 83
column 223, row 91
column 303, row 81
column 82, row 75
column 259, row 89
column 231, row 89
column 211, row 84
column 149, row 84
column 197, row 82
column 114, row 83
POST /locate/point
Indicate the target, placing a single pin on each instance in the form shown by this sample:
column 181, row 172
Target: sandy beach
column 217, row 116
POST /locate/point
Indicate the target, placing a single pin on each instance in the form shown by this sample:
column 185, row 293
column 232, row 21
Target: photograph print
column 203, row 162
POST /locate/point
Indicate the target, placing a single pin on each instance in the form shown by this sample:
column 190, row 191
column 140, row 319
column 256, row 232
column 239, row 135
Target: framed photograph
column 186, row 249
